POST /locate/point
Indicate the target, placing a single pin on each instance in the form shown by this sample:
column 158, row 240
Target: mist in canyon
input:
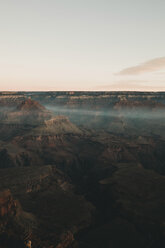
column 82, row 169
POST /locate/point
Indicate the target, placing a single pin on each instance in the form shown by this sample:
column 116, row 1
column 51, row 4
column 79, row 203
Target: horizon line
column 140, row 91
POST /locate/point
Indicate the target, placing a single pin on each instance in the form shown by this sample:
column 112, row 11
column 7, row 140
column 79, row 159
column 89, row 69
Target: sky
column 82, row 45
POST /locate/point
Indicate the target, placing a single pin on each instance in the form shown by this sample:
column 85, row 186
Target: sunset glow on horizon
column 82, row 45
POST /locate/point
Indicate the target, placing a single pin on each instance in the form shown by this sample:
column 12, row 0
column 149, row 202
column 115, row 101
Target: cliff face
column 97, row 100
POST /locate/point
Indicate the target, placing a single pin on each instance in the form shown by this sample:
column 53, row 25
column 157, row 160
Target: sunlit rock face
column 59, row 125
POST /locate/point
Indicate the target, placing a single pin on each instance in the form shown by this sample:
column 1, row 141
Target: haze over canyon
column 82, row 169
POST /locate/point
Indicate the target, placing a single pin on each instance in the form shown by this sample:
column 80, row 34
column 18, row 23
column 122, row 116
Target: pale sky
column 82, row 45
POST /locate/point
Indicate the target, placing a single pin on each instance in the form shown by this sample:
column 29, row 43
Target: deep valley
column 82, row 169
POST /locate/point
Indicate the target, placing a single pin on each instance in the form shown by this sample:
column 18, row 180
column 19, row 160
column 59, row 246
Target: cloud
column 148, row 66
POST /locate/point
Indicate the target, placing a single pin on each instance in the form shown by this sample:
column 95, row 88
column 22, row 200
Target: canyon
column 82, row 169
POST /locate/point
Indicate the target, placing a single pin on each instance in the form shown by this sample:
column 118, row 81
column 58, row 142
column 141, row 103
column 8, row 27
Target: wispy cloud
column 148, row 66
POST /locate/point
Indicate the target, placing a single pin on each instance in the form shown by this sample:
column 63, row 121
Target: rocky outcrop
column 11, row 155
column 66, row 240
column 58, row 125
column 30, row 105
column 7, row 204
column 27, row 113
